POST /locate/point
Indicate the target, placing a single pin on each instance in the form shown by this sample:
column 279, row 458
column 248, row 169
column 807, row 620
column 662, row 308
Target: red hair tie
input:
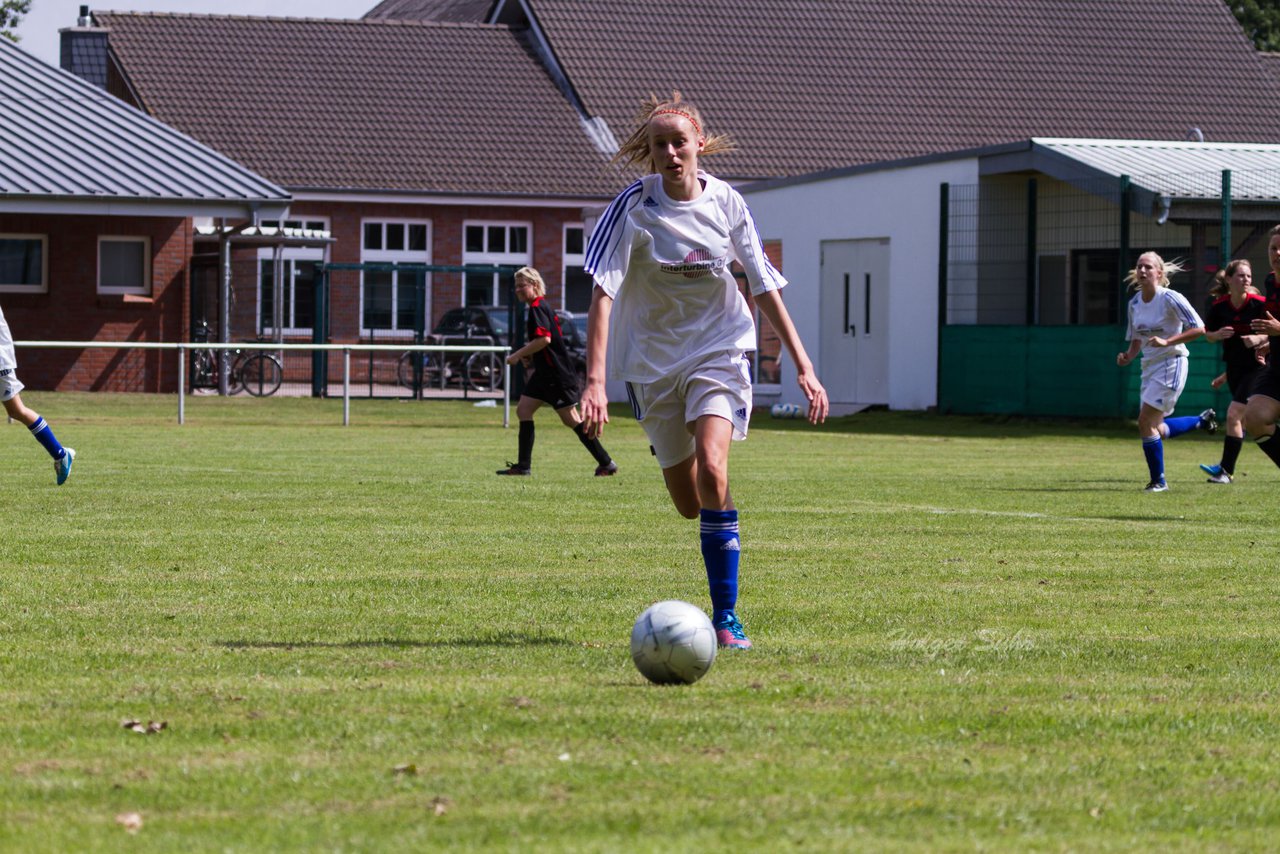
column 673, row 112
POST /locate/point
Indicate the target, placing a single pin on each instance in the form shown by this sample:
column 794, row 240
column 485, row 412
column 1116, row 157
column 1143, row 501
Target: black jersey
column 552, row 363
column 1272, row 294
column 1223, row 313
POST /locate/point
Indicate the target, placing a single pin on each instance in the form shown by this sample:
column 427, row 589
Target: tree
column 11, row 12
column 1261, row 22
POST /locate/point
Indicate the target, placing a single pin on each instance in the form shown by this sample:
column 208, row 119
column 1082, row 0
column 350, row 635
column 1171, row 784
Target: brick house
column 472, row 157
column 492, row 120
column 96, row 208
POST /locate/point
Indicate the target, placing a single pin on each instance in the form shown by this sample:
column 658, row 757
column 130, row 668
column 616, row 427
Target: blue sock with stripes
column 720, row 553
column 44, row 435
column 1153, row 449
column 1181, row 424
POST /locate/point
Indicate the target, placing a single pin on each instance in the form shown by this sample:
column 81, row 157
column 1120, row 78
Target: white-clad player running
column 9, row 389
column 1161, row 321
column 678, row 329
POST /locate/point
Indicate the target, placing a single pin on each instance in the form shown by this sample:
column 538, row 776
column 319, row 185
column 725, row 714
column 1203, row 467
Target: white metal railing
column 183, row 348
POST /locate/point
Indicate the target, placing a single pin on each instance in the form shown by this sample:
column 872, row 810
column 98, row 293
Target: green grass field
column 970, row 634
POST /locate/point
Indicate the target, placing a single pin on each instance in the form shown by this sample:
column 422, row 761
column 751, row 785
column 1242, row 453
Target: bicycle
column 478, row 371
column 255, row 371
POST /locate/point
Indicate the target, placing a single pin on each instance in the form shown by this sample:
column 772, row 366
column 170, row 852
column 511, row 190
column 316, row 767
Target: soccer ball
column 673, row 642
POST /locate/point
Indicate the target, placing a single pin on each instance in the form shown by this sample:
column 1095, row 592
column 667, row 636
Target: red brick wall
column 72, row 309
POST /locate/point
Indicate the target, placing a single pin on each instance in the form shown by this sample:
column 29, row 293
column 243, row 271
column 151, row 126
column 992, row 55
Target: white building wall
column 900, row 204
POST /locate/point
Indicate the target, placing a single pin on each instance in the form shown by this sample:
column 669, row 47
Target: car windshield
column 498, row 319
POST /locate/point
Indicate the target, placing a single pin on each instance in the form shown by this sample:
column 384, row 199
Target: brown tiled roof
column 363, row 105
column 806, row 85
column 474, row 11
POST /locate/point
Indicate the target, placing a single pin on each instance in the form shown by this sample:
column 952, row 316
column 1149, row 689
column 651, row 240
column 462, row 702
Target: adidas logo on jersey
column 650, row 202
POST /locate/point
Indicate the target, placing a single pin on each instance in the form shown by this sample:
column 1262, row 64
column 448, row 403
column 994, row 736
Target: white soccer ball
column 784, row 410
column 673, row 642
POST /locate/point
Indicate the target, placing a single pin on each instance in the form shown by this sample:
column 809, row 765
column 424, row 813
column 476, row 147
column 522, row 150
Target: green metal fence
column 1031, row 294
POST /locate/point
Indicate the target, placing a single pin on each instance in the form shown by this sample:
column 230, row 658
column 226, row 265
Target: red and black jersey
column 1272, row 294
column 1222, row 313
column 551, row 363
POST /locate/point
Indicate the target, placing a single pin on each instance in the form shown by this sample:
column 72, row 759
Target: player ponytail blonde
column 1167, row 269
column 635, row 150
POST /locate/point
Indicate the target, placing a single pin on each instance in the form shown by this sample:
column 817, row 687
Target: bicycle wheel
column 404, row 368
column 483, row 372
column 260, row 374
column 430, row 363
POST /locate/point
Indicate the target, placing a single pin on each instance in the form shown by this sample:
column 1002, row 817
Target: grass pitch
column 969, row 635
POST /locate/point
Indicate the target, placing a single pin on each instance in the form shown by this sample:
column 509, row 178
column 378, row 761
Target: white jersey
column 8, row 361
column 666, row 263
column 1166, row 315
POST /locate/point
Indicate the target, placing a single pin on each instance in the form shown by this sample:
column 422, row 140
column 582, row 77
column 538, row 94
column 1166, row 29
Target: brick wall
column 73, row 310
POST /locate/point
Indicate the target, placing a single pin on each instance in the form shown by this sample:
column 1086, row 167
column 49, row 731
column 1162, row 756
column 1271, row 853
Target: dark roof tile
column 364, row 105
column 806, row 85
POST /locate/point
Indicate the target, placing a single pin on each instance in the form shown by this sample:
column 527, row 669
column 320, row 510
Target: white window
column 298, row 302
column 24, row 263
column 577, row 281
column 124, row 265
column 389, row 298
column 495, row 244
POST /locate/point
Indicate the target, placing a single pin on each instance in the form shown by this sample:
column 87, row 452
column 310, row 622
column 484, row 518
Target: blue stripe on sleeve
column 606, row 230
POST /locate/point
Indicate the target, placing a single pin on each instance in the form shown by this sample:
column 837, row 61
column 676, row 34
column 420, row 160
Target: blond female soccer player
column 1161, row 321
column 678, row 329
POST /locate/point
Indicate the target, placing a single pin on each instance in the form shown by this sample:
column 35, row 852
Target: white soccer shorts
column 668, row 408
column 1162, row 382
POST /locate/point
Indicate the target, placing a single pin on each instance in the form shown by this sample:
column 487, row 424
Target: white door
column 855, row 320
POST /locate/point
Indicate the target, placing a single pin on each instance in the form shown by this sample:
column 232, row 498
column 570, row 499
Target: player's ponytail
column 1221, row 284
column 1167, row 269
column 635, row 149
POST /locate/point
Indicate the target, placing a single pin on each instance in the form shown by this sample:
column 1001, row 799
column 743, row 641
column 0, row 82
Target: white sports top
column 666, row 263
column 7, row 360
column 1166, row 315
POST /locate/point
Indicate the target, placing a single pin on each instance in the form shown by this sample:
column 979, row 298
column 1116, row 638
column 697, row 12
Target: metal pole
column 506, row 392
column 224, row 314
column 1031, row 252
column 1226, row 218
column 944, row 223
column 182, row 384
column 346, row 386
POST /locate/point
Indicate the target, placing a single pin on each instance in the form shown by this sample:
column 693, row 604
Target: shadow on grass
column 917, row 423
column 506, row 640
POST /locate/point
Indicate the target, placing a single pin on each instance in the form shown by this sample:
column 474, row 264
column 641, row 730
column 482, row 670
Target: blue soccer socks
column 1182, row 424
column 44, row 435
column 1153, row 450
column 720, row 553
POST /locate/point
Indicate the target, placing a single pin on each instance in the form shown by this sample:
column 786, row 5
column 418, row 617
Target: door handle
column 848, row 328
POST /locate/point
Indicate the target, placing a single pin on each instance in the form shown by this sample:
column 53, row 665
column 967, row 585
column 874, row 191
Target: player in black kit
column 1237, row 303
column 553, row 380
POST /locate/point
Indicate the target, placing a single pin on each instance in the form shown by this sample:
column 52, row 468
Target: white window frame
column 143, row 289
column 290, row 256
column 485, row 257
column 395, row 256
column 43, row 286
column 570, row 259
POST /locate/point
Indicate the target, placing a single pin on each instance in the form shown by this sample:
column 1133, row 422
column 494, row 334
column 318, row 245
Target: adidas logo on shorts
column 741, row 413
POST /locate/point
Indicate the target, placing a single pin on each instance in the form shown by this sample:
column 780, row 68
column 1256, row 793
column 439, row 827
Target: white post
column 346, row 386
column 506, row 393
column 182, row 384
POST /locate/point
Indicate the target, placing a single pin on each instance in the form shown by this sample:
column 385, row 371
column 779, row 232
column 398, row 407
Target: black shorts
column 1240, row 379
column 552, row 389
column 1266, row 381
